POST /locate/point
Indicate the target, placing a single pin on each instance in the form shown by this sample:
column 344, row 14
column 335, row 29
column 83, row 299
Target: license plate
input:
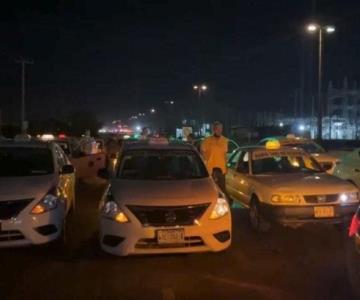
column 171, row 236
column 323, row 211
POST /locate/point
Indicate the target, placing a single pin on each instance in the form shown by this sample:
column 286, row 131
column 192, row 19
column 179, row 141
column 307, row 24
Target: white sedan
column 162, row 200
column 37, row 185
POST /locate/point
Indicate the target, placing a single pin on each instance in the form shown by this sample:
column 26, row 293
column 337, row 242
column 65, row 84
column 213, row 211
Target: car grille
column 168, row 215
column 11, row 235
column 321, row 198
column 10, row 209
column 191, row 241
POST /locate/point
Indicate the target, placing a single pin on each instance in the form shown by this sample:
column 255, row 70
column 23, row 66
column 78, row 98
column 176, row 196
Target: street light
column 152, row 110
column 200, row 89
column 312, row 28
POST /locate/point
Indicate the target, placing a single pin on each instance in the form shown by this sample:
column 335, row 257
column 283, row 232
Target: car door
column 242, row 178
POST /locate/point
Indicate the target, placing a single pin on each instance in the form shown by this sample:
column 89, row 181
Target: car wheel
column 352, row 249
column 257, row 221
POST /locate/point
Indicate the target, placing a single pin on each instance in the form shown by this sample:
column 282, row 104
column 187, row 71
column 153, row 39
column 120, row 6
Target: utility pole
column 320, row 102
column 23, row 63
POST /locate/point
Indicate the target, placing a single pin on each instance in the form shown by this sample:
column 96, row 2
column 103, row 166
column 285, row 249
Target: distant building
column 344, row 102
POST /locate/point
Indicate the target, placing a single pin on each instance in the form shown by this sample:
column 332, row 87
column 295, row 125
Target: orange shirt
column 214, row 150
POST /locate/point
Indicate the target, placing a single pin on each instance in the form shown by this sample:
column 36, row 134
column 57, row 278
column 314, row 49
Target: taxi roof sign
column 272, row 145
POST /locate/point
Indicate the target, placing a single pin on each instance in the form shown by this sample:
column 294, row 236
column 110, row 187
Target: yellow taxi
column 286, row 185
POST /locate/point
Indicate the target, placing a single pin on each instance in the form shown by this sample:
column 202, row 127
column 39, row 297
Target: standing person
column 144, row 134
column 214, row 149
column 190, row 139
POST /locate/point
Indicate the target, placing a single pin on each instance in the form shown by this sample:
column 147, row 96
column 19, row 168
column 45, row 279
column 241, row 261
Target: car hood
column 319, row 183
column 324, row 157
column 164, row 192
column 27, row 187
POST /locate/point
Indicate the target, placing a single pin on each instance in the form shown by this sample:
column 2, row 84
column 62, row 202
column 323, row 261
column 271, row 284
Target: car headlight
column 288, row 199
column 48, row 203
column 220, row 210
column 348, row 197
column 112, row 211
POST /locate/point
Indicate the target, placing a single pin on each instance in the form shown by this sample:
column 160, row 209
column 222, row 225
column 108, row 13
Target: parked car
column 162, row 200
column 287, row 186
column 348, row 167
column 37, row 190
column 326, row 160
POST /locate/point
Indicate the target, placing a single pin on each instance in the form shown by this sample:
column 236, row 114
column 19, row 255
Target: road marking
column 168, row 294
column 270, row 292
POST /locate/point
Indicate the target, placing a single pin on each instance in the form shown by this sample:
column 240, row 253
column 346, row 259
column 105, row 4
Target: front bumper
column 288, row 215
column 132, row 238
column 27, row 229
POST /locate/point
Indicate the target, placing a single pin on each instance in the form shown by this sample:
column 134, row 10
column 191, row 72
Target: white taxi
column 286, row 185
column 161, row 199
column 327, row 161
column 37, row 189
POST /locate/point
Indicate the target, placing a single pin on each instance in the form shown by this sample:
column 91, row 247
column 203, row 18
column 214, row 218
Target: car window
column 25, row 161
column 243, row 165
column 161, row 165
column 283, row 164
column 234, row 159
column 308, row 147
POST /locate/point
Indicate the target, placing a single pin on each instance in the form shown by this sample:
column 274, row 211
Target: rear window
column 23, row 161
column 161, row 165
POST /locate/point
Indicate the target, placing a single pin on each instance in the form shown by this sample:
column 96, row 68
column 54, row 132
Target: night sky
column 127, row 56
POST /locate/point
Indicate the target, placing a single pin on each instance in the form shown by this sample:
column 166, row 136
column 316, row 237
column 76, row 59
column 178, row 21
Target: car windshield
column 308, row 147
column 284, row 164
column 161, row 165
column 25, row 161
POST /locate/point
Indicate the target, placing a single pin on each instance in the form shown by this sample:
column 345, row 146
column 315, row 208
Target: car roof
column 285, row 140
column 25, row 144
column 142, row 145
column 259, row 147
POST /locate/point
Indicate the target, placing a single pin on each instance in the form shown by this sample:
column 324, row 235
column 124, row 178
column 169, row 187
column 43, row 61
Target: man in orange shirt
column 214, row 149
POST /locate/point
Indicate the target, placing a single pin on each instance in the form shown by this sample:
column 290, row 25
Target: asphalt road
column 306, row 263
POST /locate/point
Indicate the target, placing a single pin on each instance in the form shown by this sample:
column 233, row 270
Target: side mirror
column 67, row 169
column 103, row 173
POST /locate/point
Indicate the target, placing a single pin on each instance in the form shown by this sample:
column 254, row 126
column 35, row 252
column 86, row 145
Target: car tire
column 257, row 221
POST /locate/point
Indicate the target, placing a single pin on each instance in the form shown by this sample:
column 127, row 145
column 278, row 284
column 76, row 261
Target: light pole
column 312, row 28
column 200, row 89
column 23, row 63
